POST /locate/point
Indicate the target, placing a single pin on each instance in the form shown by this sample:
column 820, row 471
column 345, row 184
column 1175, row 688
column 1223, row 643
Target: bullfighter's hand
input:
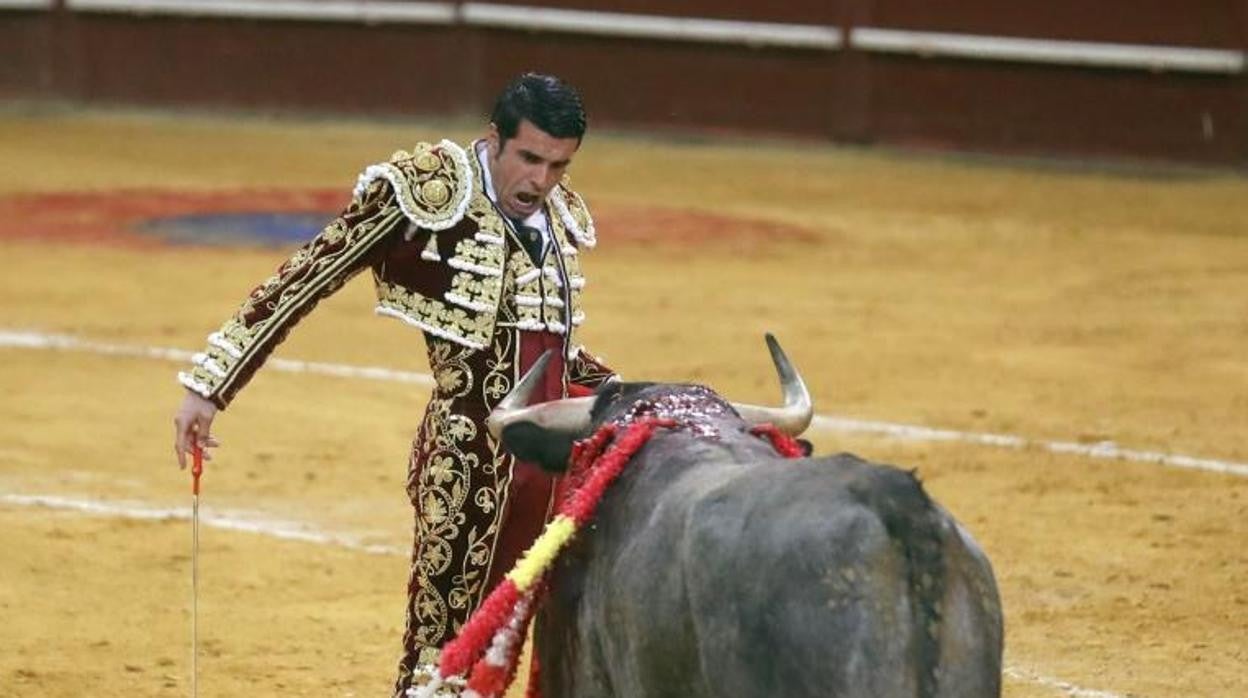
column 193, row 424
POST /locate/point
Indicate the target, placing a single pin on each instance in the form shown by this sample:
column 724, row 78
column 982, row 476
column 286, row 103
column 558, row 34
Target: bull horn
column 568, row 415
column 795, row 415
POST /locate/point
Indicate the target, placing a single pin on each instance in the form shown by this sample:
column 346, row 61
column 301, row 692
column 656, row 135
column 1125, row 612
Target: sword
column 197, row 469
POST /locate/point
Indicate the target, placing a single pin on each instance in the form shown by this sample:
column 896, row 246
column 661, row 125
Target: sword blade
column 196, row 470
column 195, row 596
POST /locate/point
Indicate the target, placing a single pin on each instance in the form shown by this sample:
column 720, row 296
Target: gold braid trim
column 314, row 271
column 464, row 327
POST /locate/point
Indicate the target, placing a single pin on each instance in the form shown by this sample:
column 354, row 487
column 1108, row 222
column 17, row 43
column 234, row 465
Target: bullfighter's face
column 526, row 167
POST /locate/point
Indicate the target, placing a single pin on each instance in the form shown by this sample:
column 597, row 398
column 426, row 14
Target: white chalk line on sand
column 19, row 339
column 259, row 524
column 1103, row 449
column 240, row 521
column 1066, row 687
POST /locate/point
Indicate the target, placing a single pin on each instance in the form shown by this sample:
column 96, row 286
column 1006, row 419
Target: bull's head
column 544, row 433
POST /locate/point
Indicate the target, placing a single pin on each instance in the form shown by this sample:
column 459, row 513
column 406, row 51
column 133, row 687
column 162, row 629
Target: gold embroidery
column 442, row 487
column 471, row 329
column 312, row 272
column 478, row 255
column 335, row 231
column 526, row 300
column 483, row 213
column 500, row 372
column 435, row 192
column 458, row 488
column 540, row 300
column 498, row 379
column 475, row 290
column 586, row 370
column 432, row 184
column 427, row 162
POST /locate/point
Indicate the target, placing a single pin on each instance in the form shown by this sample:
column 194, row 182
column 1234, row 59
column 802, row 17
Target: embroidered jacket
column 438, row 250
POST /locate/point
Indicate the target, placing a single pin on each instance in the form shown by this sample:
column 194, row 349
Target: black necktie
column 531, row 239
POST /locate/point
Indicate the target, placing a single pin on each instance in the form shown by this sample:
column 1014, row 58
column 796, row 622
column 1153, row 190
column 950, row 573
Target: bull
column 717, row 568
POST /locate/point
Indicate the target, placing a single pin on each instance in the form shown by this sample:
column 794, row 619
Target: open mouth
column 527, row 200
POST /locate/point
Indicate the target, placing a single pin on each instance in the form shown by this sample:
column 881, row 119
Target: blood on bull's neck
column 695, row 408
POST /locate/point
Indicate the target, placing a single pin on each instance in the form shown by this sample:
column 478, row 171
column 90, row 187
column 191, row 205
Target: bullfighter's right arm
column 317, row 269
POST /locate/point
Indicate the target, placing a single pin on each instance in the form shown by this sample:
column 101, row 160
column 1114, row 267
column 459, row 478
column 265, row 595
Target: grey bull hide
column 716, row 568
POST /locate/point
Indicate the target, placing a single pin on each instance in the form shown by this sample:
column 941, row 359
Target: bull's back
column 822, row 577
column 830, row 577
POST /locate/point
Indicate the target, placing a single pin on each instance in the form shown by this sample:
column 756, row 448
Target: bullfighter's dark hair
column 547, row 102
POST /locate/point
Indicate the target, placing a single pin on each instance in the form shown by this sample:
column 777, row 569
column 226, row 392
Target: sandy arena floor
column 1096, row 315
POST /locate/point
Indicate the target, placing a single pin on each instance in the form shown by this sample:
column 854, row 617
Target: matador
column 478, row 247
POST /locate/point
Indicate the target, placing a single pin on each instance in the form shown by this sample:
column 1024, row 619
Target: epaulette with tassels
column 432, row 183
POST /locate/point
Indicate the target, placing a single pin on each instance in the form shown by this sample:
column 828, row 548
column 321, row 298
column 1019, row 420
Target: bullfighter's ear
column 547, row 448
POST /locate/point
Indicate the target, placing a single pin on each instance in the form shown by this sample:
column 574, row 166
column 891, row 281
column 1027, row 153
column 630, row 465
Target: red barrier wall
column 26, row 54
column 845, row 93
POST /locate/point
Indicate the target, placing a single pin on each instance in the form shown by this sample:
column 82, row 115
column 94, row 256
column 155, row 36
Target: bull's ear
column 548, row 448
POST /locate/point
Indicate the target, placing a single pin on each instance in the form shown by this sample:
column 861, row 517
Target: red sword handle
column 197, row 467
